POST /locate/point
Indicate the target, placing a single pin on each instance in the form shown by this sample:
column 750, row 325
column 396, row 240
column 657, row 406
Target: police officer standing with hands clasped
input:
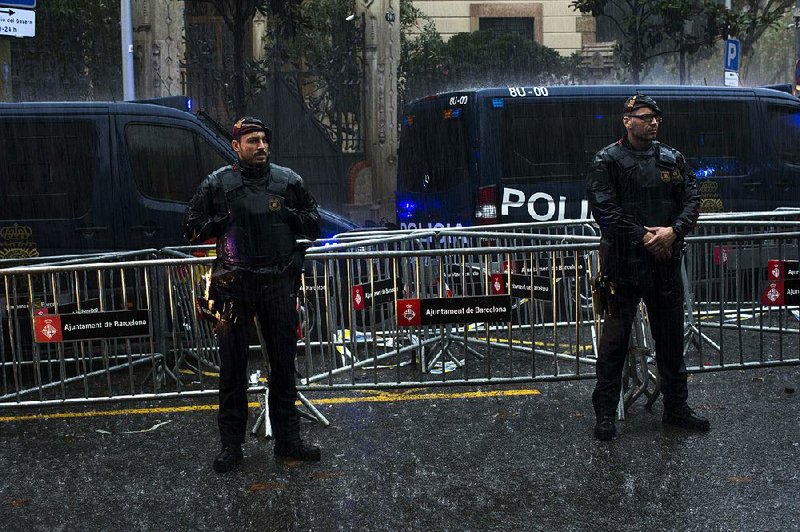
column 644, row 198
column 256, row 211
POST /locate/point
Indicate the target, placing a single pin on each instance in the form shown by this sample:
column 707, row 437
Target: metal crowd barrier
column 390, row 309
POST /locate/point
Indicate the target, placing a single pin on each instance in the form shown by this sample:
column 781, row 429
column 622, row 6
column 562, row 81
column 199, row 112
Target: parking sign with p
column 732, row 55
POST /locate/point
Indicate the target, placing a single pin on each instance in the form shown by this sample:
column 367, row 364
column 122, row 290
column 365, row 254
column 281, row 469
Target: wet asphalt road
column 401, row 461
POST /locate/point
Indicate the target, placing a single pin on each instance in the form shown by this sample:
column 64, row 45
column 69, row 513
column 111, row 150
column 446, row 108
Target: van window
column 47, row 168
column 555, row 141
column 434, row 150
column 713, row 136
column 169, row 162
column 784, row 122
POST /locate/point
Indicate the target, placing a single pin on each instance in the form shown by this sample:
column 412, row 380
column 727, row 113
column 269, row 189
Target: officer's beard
column 254, row 163
column 253, row 170
column 266, row 159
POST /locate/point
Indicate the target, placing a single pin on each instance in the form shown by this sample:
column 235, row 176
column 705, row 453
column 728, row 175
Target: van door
column 56, row 182
column 783, row 130
column 162, row 160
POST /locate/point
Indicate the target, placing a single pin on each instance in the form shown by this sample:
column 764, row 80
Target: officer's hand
column 660, row 242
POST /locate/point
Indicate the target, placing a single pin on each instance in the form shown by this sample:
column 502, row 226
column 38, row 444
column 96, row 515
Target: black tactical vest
column 649, row 188
column 257, row 234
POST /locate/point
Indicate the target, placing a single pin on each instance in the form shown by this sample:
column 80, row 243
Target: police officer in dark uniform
column 256, row 211
column 644, row 198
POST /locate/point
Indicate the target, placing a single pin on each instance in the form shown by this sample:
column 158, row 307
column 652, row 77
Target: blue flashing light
column 498, row 103
column 794, row 118
column 188, row 104
column 707, row 171
column 477, row 154
column 456, row 113
column 406, row 209
column 599, row 117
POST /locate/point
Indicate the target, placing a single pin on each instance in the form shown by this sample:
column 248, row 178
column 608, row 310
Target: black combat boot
column 605, row 428
column 684, row 417
column 228, row 458
column 297, row 450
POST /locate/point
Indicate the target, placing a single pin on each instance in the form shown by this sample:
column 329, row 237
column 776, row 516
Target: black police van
column 520, row 154
column 84, row 177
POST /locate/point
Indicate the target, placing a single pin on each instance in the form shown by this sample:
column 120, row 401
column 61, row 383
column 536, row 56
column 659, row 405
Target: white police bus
column 520, row 154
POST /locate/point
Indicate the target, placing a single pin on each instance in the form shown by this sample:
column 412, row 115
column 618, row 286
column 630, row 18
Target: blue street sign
column 731, row 55
column 24, row 4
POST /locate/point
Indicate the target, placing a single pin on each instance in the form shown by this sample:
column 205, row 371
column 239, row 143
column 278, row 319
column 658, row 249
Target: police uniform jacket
column 629, row 189
column 256, row 215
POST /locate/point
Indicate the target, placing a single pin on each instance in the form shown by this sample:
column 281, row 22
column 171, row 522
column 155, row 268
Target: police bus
column 520, row 154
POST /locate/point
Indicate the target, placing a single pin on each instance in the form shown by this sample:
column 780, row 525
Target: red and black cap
column 248, row 124
column 637, row 101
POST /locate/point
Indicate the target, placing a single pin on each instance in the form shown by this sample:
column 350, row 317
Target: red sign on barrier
column 92, row 325
column 781, row 292
column 408, row 312
column 498, row 283
column 783, row 269
column 47, row 329
column 469, row 309
column 720, row 254
column 358, row 298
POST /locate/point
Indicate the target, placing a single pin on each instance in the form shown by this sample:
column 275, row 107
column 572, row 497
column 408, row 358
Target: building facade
column 552, row 23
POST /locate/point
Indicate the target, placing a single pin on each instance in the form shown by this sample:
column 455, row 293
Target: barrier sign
column 783, row 269
column 564, row 267
column 523, row 286
column 58, row 328
column 377, row 293
column 778, row 293
column 469, row 309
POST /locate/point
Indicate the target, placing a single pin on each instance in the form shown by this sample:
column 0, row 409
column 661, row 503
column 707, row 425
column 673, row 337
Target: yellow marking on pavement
column 392, row 398
column 381, row 397
column 206, row 373
column 537, row 343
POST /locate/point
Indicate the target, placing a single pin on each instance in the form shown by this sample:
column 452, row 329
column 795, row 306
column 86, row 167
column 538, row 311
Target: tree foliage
column 754, row 18
column 475, row 59
column 237, row 16
column 75, row 54
column 648, row 29
column 325, row 63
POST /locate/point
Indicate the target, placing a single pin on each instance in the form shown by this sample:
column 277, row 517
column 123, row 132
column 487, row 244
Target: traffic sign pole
column 126, row 39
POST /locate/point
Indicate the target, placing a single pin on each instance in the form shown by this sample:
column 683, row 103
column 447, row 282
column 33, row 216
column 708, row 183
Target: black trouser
column 664, row 302
column 275, row 308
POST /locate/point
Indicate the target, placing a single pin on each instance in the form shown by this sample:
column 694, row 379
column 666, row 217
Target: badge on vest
column 670, row 175
column 274, row 203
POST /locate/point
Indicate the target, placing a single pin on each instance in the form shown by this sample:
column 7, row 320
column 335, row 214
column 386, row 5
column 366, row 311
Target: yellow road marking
column 537, row 343
column 191, row 372
column 381, row 397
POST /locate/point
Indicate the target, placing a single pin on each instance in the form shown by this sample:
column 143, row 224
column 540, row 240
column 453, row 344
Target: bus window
column 434, row 150
column 784, row 122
